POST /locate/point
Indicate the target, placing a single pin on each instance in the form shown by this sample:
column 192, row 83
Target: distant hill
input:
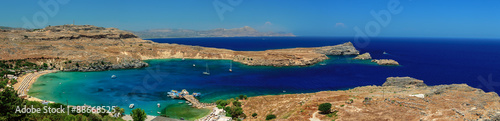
column 9, row 28
column 220, row 32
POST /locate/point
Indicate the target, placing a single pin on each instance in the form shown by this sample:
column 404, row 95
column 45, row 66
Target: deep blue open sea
column 437, row 61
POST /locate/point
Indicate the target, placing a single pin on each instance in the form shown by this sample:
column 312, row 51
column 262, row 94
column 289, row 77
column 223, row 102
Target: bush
column 140, row 44
column 138, row 114
column 243, row 97
column 325, row 108
column 254, row 114
column 270, row 116
column 237, row 103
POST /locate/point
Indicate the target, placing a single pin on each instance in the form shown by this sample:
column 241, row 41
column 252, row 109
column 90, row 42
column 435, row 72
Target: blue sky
column 418, row 18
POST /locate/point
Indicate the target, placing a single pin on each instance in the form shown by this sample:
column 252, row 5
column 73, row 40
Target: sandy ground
column 33, row 80
column 129, row 118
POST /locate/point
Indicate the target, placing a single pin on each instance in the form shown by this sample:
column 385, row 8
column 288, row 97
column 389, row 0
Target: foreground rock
column 403, row 82
column 442, row 102
column 364, row 56
column 91, row 48
column 385, row 62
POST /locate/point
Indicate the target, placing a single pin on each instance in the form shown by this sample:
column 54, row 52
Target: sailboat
column 385, row 53
column 231, row 67
column 207, row 72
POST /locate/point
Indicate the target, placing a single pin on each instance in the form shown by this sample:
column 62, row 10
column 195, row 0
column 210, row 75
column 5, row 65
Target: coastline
column 27, row 81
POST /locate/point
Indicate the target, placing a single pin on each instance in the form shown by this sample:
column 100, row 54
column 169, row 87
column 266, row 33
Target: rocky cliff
column 91, row 48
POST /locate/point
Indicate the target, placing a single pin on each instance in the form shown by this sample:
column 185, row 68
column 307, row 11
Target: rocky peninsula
column 399, row 98
column 91, row 48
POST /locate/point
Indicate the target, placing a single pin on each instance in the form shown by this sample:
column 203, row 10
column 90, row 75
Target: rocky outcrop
column 108, row 66
column 403, row 82
column 385, row 62
column 342, row 49
column 364, row 56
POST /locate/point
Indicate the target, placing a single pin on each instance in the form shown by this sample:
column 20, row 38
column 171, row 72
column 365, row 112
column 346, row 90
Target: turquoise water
column 145, row 87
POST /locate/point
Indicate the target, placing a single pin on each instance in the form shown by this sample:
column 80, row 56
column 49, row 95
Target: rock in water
column 385, row 62
column 403, row 82
column 364, row 56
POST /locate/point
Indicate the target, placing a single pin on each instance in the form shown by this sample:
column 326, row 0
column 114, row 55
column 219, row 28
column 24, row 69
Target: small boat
column 182, row 58
column 190, row 104
column 384, row 53
column 231, row 67
column 180, row 102
column 158, row 105
column 207, row 72
column 131, row 106
column 158, row 112
column 194, row 65
column 322, row 64
column 113, row 76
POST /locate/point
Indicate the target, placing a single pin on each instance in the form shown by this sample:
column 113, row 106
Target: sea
column 436, row 61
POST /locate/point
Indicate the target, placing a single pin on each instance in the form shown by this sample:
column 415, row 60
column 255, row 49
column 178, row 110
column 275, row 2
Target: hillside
column 220, row 32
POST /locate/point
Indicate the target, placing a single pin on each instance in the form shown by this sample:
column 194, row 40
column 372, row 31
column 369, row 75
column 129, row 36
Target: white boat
column 322, row 64
column 113, row 76
column 194, row 65
column 385, row 53
column 190, row 104
column 207, row 72
column 180, row 102
column 158, row 105
column 131, row 106
column 182, row 58
column 231, row 67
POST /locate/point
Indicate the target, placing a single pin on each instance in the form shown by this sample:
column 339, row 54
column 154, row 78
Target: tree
column 254, row 114
column 138, row 114
column 118, row 112
column 45, row 65
column 9, row 100
column 325, row 108
column 270, row 116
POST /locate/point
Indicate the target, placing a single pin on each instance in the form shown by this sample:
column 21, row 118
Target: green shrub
column 270, row 116
column 254, row 114
column 325, row 108
column 138, row 114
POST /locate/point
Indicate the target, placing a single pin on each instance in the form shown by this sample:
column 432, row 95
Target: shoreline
column 27, row 81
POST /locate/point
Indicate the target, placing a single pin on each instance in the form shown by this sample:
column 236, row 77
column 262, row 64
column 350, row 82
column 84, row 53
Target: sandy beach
column 27, row 80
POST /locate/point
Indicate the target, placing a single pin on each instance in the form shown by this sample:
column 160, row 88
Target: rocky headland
column 399, row 98
column 91, row 48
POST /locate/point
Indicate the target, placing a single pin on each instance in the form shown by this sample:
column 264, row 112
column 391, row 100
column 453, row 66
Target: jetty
column 191, row 98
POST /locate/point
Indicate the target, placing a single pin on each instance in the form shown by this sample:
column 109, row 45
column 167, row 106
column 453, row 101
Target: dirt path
column 314, row 117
